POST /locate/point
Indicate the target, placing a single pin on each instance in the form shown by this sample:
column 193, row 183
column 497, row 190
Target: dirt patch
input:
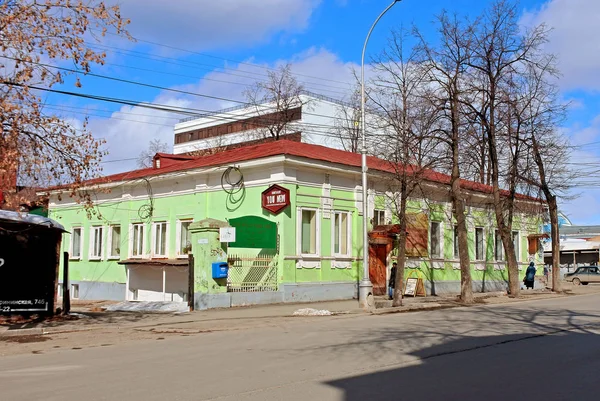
column 34, row 338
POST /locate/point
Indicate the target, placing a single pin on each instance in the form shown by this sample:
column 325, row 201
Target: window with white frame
column 309, row 227
column 137, row 240
column 516, row 243
column 435, row 246
column 378, row 217
column 184, row 242
column 96, row 242
column 74, row 291
column 455, row 242
column 341, row 233
column 498, row 246
column 76, row 240
column 114, row 239
column 479, row 244
column 159, row 239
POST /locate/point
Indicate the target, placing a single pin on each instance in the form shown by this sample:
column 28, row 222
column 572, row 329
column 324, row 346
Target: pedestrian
column 529, row 276
column 546, row 273
column 392, row 282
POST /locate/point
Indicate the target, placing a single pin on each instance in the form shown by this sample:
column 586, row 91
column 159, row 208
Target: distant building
column 312, row 121
column 579, row 244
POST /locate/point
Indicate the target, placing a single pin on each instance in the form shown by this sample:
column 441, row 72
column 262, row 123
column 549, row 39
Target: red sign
column 275, row 199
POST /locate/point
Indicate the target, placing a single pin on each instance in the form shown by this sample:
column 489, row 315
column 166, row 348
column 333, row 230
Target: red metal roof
column 289, row 148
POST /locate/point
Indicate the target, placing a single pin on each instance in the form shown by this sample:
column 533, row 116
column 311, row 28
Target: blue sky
column 197, row 46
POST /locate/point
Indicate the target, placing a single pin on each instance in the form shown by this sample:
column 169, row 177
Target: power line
column 136, row 83
column 192, row 112
column 229, row 60
column 211, row 67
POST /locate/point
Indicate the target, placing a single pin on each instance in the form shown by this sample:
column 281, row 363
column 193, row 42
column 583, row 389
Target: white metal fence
column 252, row 273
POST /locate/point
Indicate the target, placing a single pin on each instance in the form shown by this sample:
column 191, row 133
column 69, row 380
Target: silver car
column 584, row 275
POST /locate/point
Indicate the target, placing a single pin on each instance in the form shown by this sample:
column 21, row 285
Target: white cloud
column 204, row 25
column 125, row 139
column 574, row 39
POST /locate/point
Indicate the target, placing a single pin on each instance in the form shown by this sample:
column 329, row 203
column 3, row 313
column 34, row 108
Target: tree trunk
column 398, row 285
column 458, row 203
column 553, row 210
column 466, row 284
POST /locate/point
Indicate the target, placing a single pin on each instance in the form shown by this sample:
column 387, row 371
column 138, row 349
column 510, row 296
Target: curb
column 411, row 308
column 429, row 306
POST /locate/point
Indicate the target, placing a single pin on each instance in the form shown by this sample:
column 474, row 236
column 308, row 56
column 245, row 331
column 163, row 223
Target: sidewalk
column 89, row 316
column 82, row 319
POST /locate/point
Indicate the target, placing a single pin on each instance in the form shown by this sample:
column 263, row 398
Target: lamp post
column 365, row 287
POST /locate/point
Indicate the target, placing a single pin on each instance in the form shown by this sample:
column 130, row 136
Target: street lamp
column 365, row 287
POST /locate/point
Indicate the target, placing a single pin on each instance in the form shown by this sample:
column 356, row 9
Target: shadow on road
column 490, row 354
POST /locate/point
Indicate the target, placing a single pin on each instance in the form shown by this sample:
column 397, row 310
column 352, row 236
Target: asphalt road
column 542, row 350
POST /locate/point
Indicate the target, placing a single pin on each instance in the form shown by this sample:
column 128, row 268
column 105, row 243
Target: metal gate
column 252, row 273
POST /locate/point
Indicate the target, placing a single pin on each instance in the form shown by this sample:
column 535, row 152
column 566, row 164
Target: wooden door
column 377, row 268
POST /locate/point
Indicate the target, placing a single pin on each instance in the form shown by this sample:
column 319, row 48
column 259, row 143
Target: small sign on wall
column 275, row 199
column 227, row 234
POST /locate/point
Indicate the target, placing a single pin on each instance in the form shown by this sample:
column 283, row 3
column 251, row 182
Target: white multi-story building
column 316, row 120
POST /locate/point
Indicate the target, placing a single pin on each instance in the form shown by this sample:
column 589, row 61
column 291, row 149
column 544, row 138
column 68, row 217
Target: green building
column 295, row 210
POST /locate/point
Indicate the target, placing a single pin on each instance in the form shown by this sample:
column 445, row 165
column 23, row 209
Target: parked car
column 584, row 275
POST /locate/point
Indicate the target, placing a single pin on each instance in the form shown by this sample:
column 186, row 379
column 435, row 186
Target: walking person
column 392, row 282
column 529, row 276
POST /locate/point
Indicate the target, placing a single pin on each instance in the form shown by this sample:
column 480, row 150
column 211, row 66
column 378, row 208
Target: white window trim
column 81, row 231
column 482, row 259
column 91, row 256
column 131, row 244
column 153, row 244
column 178, row 237
column 348, row 231
column 440, row 238
column 518, row 253
column 455, row 250
column 109, row 255
column 497, row 237
column 317, row 232
column 375, row 210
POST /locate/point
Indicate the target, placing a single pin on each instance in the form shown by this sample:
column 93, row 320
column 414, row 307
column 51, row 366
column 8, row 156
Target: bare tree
column 277, row 102
column 147, row 155
column 445, row 65
column 536, row 104
column 347, row 123
column 407, row 144
column 499, row 50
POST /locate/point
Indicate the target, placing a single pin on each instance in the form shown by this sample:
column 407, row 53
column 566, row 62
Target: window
column 184, row 242
column 435, row 248
column 498, row 246
column 76, row 243
column 516, row 242
column 114, row 238
column 456, row 255
column 74, row 291
column 96, row 243
column 479, row 248
column 378, row 217
column 341, row 233
column 159, row 240
column 308, row 232
column 137, row 245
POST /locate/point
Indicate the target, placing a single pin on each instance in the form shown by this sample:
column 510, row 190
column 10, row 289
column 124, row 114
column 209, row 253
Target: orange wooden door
column 377, row 268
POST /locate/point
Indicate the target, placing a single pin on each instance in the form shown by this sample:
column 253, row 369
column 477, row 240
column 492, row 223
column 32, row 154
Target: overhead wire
column 227, row 59
column 212, row 68
column 127, row 81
